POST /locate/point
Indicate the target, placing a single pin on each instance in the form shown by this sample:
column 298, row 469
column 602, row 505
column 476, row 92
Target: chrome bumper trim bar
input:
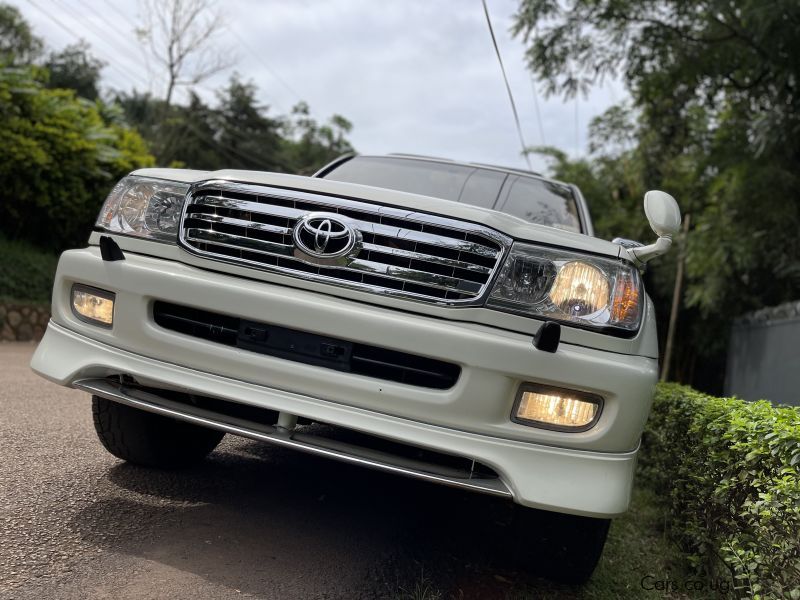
column 150, row 402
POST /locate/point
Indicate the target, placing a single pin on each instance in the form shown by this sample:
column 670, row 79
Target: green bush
column 729, row 470
column 26, row 273
column 59, row 157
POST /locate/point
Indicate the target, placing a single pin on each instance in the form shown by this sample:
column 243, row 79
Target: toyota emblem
column 325, row 236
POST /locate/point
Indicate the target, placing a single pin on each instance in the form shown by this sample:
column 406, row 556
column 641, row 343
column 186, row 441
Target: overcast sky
column 415, row 76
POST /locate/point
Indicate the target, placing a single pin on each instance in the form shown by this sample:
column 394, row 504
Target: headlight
column 144, row 207
column 565, row 286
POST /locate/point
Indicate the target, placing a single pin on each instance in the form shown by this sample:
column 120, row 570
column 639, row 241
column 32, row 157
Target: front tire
column 148, row 439
column 563, row 548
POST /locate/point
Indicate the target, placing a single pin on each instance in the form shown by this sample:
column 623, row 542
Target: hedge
column 730, row 472
column 26, row 272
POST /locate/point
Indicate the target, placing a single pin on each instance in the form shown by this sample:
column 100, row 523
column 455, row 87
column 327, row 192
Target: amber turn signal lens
column 93, row 305
column 555, row 408
column 626, row 306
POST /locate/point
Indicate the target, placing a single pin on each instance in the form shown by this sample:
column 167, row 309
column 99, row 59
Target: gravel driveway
column 252, row 521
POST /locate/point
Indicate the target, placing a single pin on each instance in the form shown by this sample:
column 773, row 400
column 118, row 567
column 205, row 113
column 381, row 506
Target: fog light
column 554, row 408
column 92, row 305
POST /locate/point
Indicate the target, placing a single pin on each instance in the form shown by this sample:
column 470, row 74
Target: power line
column 121, row 36
column 577, row 131
column 58, row 22
column 266, row 65
column 508, row 87
column 538, row 114
column 228, row 151
column 150, row 73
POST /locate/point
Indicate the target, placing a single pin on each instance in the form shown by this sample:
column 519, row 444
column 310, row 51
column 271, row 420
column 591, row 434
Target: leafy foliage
column 714, row 121
column 18, row 44
column 64, row 147
column 26, row 273
column 74, row 68
column 730, row 471
column 59, row 157
column 237, row 133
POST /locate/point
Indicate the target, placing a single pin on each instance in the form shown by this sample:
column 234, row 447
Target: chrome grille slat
column 251, row 206
column 241, row 223
column 460, row 264
column 404, row 253
column 237, row 242
column 441, row 282
column 426, row 238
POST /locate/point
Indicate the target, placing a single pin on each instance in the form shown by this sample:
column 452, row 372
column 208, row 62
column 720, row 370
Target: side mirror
column 662, row 212
column 664, row 217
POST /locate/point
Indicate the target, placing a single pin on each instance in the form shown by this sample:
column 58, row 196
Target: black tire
column 148, row 439
column 563, row 548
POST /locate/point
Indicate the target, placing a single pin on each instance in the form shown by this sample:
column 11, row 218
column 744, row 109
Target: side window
column 543, row 202
column 482, row 188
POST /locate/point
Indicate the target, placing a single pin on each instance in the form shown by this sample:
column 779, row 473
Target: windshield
column 533, row 199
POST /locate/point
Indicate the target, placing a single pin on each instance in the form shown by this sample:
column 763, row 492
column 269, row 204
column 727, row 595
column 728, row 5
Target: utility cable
column 538, row 113
column 508, row 87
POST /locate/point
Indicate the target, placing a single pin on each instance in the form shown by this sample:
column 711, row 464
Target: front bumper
column 585, row 473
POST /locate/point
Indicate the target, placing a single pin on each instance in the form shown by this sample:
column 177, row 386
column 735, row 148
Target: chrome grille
column 401, row 252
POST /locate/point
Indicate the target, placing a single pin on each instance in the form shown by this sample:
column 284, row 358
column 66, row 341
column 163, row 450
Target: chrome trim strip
column 162, row 406
column 240, row 223
column 442, row 282
column 421, row 256
column 248, row 205
column 237, row 242
column 471, row 293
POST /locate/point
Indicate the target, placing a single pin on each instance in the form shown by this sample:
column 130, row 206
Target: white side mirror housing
column 662, row 212
column 664, row 216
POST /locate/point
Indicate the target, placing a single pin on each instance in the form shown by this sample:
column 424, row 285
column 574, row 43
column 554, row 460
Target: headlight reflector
column 144, row 207
column 555, row 408
column 580, row 289
column 566, row 286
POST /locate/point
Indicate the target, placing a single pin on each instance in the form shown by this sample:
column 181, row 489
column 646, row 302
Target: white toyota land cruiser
column 461, row 318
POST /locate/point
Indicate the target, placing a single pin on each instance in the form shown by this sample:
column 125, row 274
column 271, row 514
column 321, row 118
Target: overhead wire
column 230, row 152
column 72, row 33
column 264, row 63
column 109, row 42
column 227, row 150
column 123, row 37
column 538, row 113
column 508, row 87
column 148, row 68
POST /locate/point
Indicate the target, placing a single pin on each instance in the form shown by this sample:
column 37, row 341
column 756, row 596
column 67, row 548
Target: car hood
column 514, row 227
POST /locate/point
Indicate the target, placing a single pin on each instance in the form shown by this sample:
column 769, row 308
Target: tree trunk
column 676, row 300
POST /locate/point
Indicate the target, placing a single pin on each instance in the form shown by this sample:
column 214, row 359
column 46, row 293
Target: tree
column 180, row 36
column 18, row 44
column 59, row 157
column 714, row 120
column 237, row 133
column 249, row 138
column 76, row 69
column 308, row 145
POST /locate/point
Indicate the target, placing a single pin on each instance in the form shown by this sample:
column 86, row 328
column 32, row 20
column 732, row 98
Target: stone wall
column 23, row 322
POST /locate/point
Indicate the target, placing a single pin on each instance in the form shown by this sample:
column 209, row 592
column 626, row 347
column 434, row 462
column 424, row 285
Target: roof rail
column 514, row 169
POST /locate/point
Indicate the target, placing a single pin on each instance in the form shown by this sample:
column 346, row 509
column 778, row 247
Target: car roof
column 465, row 164
column 448, row 161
